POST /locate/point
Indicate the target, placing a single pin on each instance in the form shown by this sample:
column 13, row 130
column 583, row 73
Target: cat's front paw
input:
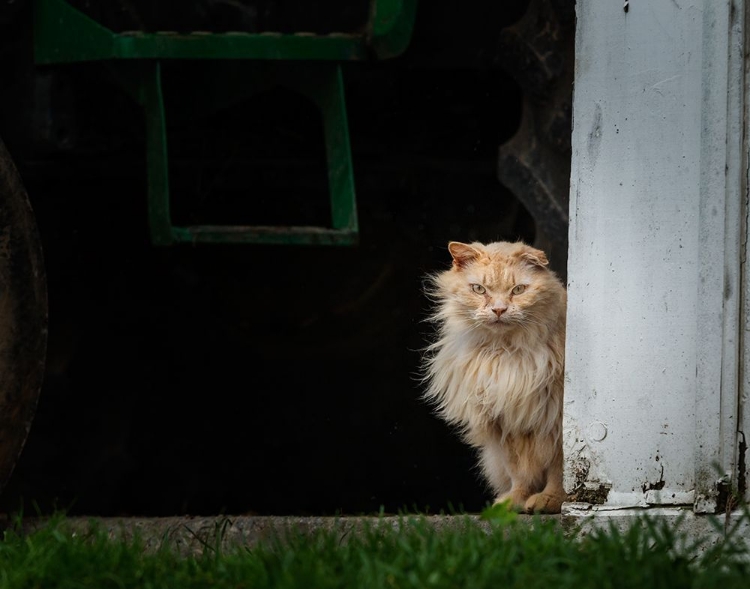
column 515, row 500
column 544, row 503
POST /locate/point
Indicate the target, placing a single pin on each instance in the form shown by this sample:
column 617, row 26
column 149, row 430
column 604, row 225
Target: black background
column 260, row 379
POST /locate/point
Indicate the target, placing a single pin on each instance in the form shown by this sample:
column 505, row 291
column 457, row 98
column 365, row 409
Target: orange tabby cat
column 496, row 368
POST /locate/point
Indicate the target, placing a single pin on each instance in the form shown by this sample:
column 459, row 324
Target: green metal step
column 62, row 34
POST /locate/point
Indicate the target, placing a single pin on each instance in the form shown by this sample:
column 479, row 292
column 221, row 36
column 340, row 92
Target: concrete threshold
column 194, row 535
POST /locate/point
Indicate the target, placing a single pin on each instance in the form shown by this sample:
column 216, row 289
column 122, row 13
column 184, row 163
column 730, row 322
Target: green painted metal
column 341, row 174
column 265, row 235
column 322, row 83
column 157, row 162
column 62, row 34
column 391, row 25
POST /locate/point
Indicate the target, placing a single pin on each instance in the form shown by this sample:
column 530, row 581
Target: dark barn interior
column 274, row 379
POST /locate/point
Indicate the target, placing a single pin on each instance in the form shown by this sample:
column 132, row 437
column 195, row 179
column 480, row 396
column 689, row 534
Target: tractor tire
column 23, row 316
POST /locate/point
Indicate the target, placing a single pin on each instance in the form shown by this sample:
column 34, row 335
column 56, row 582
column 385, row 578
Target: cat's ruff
column 478, row 384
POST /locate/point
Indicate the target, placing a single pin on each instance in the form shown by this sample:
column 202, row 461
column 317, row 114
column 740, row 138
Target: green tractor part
column 306, row 63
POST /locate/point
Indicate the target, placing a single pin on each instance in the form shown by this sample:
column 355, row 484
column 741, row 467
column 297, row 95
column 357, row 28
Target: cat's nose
column 499, row 310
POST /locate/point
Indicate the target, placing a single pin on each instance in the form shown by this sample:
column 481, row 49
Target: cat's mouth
column 499, row 321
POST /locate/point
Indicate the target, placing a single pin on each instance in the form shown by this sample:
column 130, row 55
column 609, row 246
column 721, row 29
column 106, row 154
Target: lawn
column 498, row 550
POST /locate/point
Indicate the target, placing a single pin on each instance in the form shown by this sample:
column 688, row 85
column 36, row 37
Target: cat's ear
column 462, row 253
column 534, row 257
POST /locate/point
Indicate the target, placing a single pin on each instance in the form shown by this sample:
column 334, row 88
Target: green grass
column 504, row 553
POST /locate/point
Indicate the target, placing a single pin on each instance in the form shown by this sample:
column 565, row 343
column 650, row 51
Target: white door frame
column 656, row 318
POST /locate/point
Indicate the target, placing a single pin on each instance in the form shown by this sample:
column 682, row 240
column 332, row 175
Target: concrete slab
column 193, row 535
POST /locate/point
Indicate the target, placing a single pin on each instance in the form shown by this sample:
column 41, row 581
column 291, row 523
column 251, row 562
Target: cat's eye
column 518, row 289
column 478, row 288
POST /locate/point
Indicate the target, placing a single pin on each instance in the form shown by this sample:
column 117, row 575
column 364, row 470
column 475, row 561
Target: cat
column 495, row 369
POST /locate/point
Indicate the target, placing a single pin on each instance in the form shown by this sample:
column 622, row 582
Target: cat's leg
column 493, row 464
column 551, row 498
column 502, row 470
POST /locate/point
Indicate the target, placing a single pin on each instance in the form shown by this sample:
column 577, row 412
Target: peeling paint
column 580, row 471
column 657, row 486
column 577, row 471
column 592, row 492
column 741, row 464
column 723, row 495
column 577, row 459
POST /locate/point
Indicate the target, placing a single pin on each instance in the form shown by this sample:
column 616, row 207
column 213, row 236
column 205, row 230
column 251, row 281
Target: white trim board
column 658, row 198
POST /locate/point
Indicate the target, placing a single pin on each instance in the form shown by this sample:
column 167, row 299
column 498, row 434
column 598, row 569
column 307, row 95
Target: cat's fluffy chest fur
column 496, row 367
column 481, row 385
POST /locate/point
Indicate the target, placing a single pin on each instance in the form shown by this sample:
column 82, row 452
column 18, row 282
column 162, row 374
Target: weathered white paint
column 709, row 530
column 743, row 456
column 656, row 204
column 719, row 262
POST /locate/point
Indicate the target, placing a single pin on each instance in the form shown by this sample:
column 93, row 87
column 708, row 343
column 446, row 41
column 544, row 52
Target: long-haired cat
column 496, row 368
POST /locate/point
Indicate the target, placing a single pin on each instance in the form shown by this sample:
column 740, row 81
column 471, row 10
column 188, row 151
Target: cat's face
column 499, row 285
